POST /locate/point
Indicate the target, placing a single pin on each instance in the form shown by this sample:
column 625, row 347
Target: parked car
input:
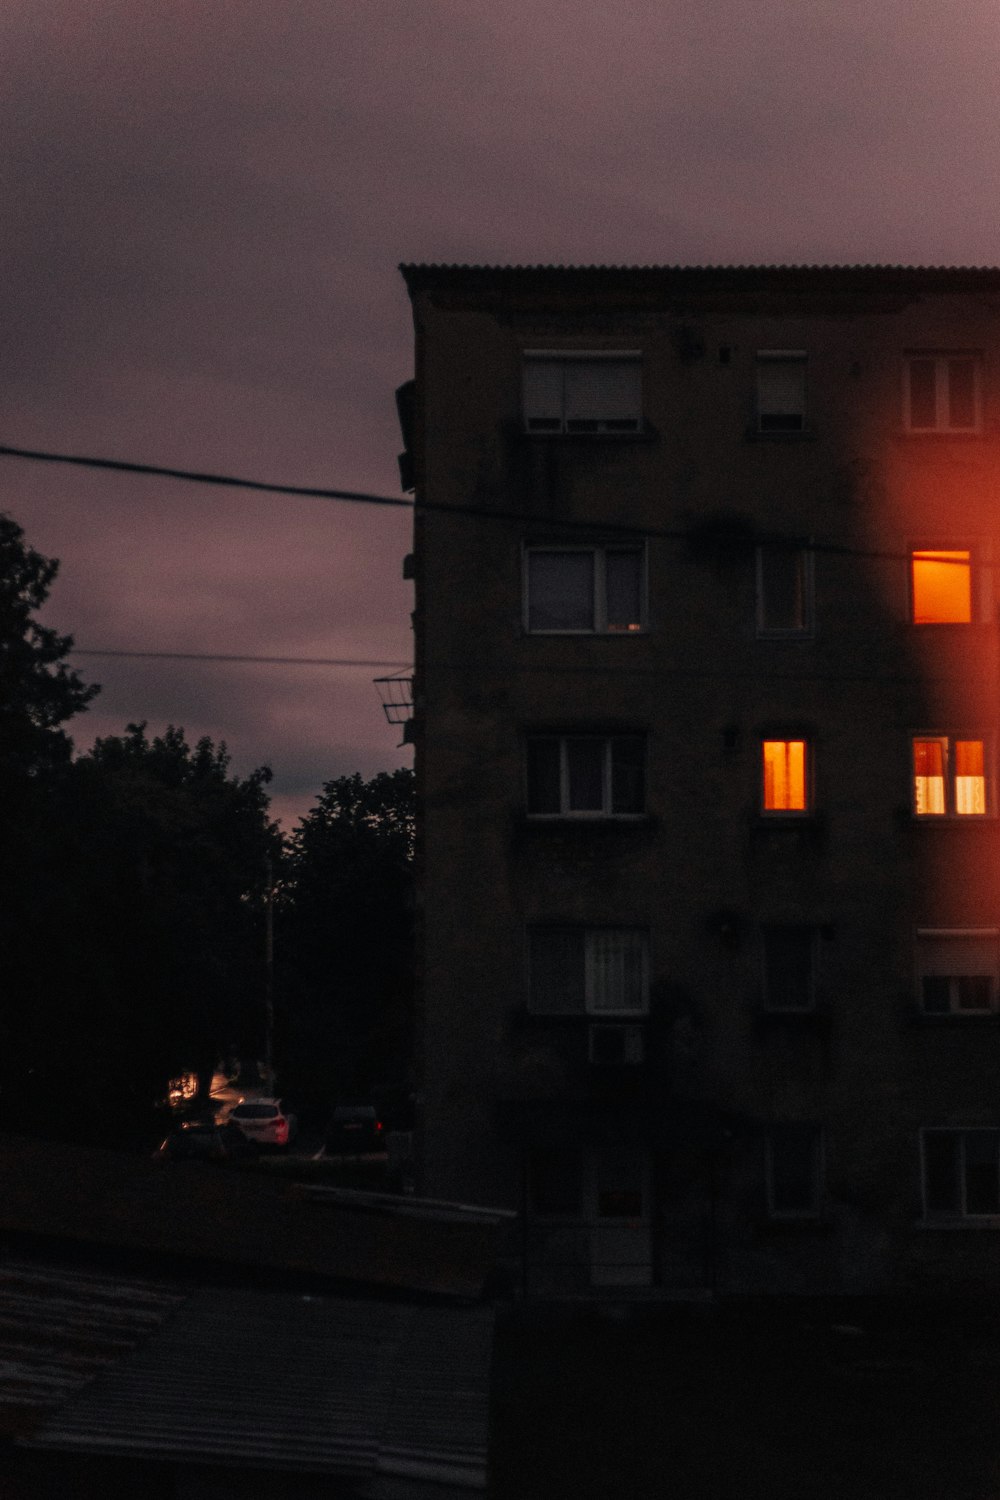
column 354, row 1130
column 265, row 1121
column 200, row 1140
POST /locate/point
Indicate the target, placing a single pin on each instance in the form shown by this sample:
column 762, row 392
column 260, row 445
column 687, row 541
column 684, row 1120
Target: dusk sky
column 205, row 202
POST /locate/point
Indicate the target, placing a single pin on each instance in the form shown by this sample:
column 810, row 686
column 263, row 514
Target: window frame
column 942, row 391
column 600, row 427
column 780, row 813
column 607, row 810
column 960, row 1215
column 781, row 632
column 598, row 551
column 976, row 576
column 950, row 812
column 590, row 1011
column 927, row 936
column 770, row 358
column 814, row 1210
column 812, row 932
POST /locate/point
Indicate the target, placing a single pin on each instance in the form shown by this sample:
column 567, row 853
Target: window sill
column 958, row 1019
column 951, row 820
column 939, row 434
column 951, row 1223
column 644, row 434
column 780, row 1226
column 799, row 435
column 587, row 635
column 588, row 820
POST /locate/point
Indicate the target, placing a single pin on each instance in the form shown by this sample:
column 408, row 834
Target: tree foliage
column 344, row 946
column 38, row 691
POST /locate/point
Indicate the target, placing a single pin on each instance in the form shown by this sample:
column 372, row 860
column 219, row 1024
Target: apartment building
column 706, row 727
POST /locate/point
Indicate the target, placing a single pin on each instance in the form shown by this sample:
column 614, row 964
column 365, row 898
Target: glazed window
column 784, row 591
column 784, row 764
column 781, row 390
column 582, row 392
column 957, row 971
column 581, row 775
column 588, row 971
column 941, row 586
column 961, row 1173
column 942, row 392
column 794, row 1171
column 949, row 777
column 584, row 590
column 789, row 959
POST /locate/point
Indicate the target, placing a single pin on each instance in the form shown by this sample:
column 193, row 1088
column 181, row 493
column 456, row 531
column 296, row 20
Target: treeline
column 135, row 881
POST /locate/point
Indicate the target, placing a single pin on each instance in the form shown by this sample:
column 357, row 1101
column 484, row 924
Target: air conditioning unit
column 616, row 1045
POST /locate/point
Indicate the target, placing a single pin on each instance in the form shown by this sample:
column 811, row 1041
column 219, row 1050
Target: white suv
column 265, row 1121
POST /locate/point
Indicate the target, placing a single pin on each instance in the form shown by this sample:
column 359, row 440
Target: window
column 789, row 955
column 949, row 777
column 784, row 591
column 957, row 971
column 580, row 775
column 941, row 586
column 588, row 971
column 784, row 767
column 781, row 390
column 585, row 590
column 582, row 393
column 941, row 392
column 961, row 1173
column 794, row 1171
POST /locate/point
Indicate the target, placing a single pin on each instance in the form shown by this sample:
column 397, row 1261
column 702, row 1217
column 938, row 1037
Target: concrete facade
column 699, row 1039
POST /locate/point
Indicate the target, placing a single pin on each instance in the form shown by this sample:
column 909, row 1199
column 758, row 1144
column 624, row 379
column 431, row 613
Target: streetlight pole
column 269, row 977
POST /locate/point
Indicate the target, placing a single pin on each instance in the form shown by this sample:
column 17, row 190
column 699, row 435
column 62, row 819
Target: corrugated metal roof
column 657, row 268
column 61, row 1325
column 281, row 1381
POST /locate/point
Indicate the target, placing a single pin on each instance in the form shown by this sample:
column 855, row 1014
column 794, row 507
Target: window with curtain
column 949, row 777
column 588, row 970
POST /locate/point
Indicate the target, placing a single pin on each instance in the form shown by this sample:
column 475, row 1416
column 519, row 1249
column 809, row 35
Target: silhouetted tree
column 344, row 946
column 38, row 691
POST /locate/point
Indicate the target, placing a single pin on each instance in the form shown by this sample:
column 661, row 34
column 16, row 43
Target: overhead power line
column 284, row 661
column 627, row 529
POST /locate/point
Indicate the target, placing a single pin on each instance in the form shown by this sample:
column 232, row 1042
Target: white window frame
column 607, row 790
column 950, row 812
column 942, row 389
column 962, row 1214
column 769, row 358
column 599, row 603
column 782, row 632
column 926, row 936
column 815, row 1209
column 563, row 422
column 590, row 937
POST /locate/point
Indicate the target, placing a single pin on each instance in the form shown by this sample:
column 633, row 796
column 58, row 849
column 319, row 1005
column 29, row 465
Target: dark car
column 206, row 1141
column 354, row 1130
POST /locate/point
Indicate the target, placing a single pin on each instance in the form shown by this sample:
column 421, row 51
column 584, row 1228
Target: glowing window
column 941, row 587
column 957, row 971
column 942, row 393
column 784, row 764
column 584, row 590
column 949, row 777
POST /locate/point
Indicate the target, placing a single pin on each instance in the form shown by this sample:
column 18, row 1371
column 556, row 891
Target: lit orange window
column 949, row 776
column 784, row 776
column 970, row 777
column 942, row 587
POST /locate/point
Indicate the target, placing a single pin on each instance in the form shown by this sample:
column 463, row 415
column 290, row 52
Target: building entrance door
column 616, row 1195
